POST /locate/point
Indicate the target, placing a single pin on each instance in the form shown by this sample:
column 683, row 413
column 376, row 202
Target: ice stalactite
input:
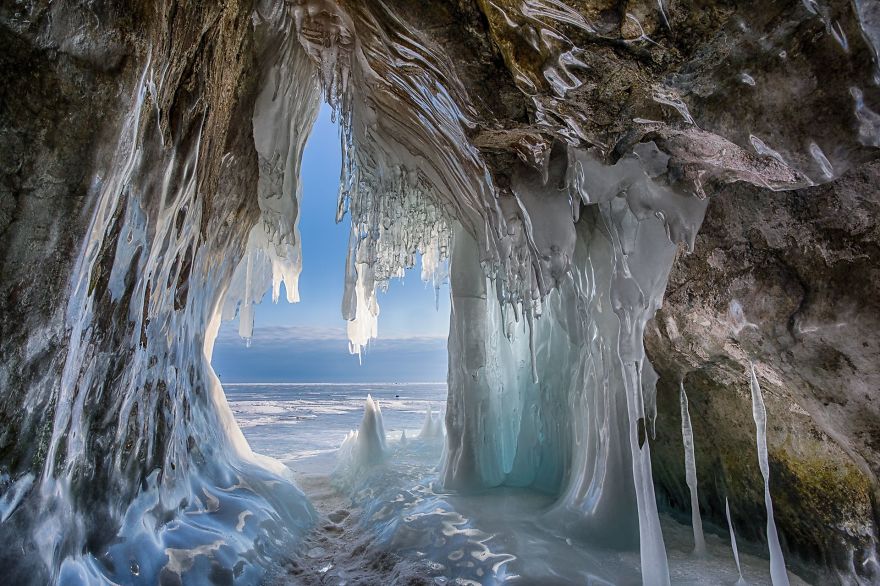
column 408, row 167
column 690, row 466
column 778, row 573
column 284, row 113
column 741, row 581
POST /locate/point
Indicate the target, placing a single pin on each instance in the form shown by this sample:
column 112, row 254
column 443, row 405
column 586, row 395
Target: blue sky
column 305, row 342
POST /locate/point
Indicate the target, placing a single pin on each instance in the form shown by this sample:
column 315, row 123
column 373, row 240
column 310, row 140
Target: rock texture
column 787, row 281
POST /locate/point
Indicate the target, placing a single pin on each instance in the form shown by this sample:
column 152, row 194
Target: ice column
column 778, row 574
column 690, row 465
column 741, row 581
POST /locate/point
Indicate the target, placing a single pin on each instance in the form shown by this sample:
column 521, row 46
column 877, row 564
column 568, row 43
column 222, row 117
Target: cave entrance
column 295, row 389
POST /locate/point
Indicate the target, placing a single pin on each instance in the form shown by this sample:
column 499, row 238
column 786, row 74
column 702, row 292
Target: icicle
column 690, row 464
column 741, row 581
column 532, row 352
column 778, row 574
column 13, row 495
column 655, row 566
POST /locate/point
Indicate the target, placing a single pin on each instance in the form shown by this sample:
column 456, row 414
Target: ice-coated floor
column 392, row 523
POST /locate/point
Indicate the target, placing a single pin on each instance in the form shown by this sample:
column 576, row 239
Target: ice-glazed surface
column 777, row 563
column 144, row 475
column 690, row 466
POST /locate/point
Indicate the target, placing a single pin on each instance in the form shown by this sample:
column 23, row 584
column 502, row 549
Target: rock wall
column 789, row 282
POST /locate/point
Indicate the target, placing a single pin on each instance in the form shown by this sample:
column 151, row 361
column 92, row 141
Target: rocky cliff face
column 133, row 177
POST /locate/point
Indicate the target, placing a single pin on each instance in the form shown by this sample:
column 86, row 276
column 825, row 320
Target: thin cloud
column 308, row 354
column 324, row 337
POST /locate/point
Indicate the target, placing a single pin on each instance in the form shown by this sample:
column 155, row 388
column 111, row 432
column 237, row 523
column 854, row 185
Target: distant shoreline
column 337, row 384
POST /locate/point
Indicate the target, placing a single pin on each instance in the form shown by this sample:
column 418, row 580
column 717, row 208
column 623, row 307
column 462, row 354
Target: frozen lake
column 302, row 425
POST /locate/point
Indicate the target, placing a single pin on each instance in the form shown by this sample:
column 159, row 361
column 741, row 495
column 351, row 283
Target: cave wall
column 786, row 281
column 129, row 188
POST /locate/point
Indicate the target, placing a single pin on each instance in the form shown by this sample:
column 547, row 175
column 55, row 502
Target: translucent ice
column 690, row 466
column 741, row 581
column 432, row 426
column 367, row 446
column 777, row 563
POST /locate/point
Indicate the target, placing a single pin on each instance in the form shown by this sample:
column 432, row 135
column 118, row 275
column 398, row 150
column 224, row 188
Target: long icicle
column 741, row 581
column 778, row 574
column 690, row 465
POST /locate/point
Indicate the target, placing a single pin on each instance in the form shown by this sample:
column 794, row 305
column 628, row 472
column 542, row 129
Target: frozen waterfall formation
column 560, row 157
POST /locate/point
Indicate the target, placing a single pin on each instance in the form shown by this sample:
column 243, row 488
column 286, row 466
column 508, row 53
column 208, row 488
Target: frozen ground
column 393, row 524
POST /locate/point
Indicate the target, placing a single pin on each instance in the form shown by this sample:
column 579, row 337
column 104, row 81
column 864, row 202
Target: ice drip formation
column 624, row 197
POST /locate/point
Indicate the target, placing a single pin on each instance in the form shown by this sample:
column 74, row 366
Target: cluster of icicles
column 778, row 573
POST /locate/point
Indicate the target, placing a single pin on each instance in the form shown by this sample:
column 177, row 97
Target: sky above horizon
column 306, row 341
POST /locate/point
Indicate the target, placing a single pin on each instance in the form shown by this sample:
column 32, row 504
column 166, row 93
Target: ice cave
column 656, row 223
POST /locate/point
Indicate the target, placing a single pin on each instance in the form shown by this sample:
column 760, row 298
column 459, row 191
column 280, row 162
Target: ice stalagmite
column 370, row 448
column 367, row 446
column 690, row 465
column 741, row 581
column 432, row 427
column 777, row 564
